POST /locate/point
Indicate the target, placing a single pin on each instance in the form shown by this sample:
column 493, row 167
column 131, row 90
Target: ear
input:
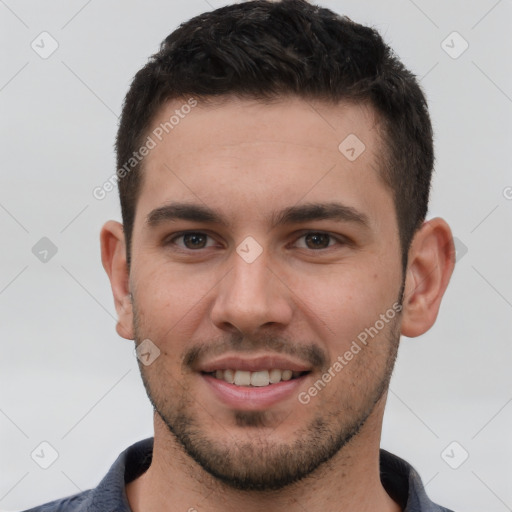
column 430, row 266
column 113, row 257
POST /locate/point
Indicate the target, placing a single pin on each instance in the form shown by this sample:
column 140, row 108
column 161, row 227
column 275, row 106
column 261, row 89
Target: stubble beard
column 260, row 464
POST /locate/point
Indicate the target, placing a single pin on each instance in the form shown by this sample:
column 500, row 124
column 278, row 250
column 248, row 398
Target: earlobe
column 113, row 257
column 430, row 266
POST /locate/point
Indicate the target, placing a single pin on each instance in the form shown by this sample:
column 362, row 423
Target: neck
column 348, row 481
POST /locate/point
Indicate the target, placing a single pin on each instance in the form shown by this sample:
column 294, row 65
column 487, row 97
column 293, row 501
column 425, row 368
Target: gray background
column 69, row 380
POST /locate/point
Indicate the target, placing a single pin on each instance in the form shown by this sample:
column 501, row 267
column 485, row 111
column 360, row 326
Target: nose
column 252, row 296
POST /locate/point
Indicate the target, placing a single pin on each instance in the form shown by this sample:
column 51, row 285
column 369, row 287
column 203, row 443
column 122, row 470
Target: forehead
column 229, row 121
column 255, row 155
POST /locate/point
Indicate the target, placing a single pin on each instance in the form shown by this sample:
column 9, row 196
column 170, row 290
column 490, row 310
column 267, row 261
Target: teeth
column 275, row 376
column 242, row 378
column 286, row 375
column 256, row 379
column 229, row 376
column 260, row 378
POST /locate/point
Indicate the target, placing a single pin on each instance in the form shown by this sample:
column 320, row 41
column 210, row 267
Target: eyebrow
column 184, row 211
column 291, row 215
column 320, row 211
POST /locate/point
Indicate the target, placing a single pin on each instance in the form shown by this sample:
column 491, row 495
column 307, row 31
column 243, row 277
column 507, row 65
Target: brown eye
column 317, row 240
column 192, row 240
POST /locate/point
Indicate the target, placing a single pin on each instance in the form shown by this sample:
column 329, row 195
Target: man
column 274, row 166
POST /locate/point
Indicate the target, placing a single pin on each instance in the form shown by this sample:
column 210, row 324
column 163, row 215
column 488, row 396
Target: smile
column 255, row 379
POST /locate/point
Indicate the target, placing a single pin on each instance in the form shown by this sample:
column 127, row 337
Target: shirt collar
column 398, row 477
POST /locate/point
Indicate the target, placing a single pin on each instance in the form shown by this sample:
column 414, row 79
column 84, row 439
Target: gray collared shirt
column 398, row 477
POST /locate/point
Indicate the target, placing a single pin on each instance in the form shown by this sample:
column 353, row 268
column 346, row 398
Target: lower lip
column 249, row 398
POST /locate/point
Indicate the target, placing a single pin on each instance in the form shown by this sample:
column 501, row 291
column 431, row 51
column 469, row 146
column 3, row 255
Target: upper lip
column 253, row 364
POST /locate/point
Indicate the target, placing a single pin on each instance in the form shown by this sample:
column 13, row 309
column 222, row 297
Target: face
column 260, row 245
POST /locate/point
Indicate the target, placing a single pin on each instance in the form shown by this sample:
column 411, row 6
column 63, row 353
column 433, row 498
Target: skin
column 246, row 159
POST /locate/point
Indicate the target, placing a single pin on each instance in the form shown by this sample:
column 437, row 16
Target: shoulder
column 403, row 483
column 75, row 503
column 110, row 492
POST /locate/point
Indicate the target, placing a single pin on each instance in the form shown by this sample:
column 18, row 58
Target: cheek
column 347, row 301
column 169, row 301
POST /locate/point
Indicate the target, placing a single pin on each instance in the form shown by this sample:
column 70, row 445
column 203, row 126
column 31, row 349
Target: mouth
column 254, row 390
column 254, row 382
column 258, row 379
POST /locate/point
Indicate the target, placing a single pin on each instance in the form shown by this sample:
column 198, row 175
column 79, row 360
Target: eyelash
column 339, row 240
